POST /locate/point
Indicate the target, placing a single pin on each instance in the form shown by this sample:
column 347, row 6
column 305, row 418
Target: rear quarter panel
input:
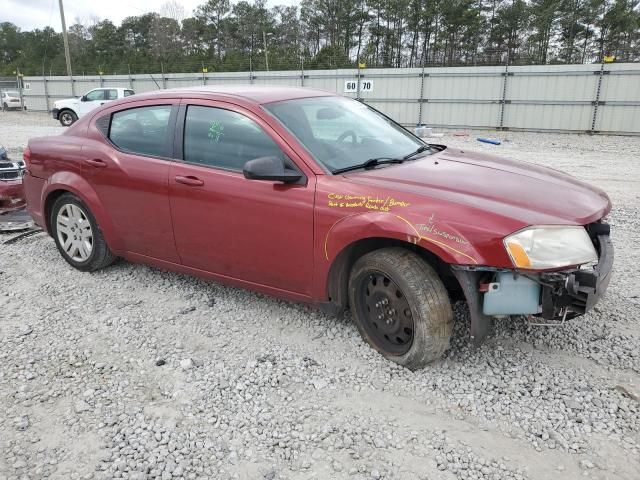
column 56, row 165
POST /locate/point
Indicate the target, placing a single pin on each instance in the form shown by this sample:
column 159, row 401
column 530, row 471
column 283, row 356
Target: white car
column 69, row 110
column 11, row 99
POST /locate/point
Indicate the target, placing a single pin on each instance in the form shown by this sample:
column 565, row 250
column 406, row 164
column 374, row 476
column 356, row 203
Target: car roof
column 111, row 88
column 260, row 94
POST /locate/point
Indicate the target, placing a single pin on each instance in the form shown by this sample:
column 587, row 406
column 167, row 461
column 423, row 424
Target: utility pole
column 266, row 54
column 67, row 55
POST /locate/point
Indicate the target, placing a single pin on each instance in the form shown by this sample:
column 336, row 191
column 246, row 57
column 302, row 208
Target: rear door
column 257, row 231
column 129, row 171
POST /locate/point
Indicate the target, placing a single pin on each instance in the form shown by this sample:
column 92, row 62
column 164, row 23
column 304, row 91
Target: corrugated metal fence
column 570, row 98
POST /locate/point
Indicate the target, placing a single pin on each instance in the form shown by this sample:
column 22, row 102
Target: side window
column 95, row 95
column 128, row 93
column 141, row 130
column 221, row 138
column 112, row 94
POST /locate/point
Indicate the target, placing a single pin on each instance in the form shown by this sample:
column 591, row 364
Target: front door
column 257, row 231
column 91, row 100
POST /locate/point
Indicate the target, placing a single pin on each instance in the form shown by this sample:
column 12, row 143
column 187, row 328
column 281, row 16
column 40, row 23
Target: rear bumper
column 33, row 189
column 55, row 113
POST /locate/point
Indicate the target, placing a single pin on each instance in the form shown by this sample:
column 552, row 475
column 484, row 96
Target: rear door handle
column 189, row 180
column 95, row 163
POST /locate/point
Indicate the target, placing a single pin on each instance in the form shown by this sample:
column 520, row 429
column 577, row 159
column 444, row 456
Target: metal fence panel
column 575, row 98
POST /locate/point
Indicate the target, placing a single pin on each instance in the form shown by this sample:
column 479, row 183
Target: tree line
column 222, row 35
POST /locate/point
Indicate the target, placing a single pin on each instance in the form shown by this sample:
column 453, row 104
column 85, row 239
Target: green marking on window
column 216, row 130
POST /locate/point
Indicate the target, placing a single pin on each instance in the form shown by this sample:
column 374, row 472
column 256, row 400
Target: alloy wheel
column 67, row 119
column 74, row 232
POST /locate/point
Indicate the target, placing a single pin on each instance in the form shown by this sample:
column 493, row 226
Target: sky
column 30, row 14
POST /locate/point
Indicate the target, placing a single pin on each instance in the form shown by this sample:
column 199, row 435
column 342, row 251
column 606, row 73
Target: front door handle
column 189, row 180
column 95, row 163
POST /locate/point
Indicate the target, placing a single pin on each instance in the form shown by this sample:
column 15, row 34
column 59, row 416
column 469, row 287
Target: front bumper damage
column 560, row 295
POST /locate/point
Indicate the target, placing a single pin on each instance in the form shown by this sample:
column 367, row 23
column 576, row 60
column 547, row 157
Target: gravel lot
column 136, row 373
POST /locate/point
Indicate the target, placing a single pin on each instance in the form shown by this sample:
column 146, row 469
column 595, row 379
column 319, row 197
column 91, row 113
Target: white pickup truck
column 69, row 110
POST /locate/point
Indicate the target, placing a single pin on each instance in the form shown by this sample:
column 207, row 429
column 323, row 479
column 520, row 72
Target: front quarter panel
column 347, row 212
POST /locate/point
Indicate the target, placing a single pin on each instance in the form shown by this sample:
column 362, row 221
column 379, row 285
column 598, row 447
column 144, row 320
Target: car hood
column 67, row 101
column 522, row 191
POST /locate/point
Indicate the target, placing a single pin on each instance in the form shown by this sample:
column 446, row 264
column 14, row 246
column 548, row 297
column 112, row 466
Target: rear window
column 141, row 130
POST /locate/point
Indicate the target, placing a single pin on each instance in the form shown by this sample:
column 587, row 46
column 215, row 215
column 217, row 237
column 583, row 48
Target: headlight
column 542, row 248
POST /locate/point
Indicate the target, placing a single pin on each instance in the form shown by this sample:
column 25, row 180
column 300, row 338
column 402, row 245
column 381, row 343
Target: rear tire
column 400, row 306
column 78, row 236
column 67, row 118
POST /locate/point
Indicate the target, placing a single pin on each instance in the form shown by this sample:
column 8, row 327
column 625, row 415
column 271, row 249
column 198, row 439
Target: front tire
column 67, row 118
column 400, row 306
column 78, row 236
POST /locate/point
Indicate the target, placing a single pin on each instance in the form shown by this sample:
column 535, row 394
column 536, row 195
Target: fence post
column 597, row 101
column 421, row 99
column 101, row 79
column 46, row 91
column 503, row 100
column 164, row 80
column 358, row 84
column 20, row 85
column 301, row 71
column 130, row 79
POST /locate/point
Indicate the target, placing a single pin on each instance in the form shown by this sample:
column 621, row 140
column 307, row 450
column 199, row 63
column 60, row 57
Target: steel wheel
column 74, row 232
column 400, row 306
column 386, row 313
column 66, row 118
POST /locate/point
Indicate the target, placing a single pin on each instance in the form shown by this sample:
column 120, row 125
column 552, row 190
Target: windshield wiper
column 422, row 148
column 372, row 162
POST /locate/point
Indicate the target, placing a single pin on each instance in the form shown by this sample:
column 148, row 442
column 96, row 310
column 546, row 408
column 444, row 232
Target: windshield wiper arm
column 422, row 148
column 372, row 162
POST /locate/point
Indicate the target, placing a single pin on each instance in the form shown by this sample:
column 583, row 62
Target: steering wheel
column 345, row 135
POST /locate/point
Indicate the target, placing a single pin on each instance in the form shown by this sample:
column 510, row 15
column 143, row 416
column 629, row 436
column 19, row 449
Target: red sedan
column 313, row 197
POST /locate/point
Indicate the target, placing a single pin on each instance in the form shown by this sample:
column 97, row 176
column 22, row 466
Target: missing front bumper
column 558, row 295
column 570, row 294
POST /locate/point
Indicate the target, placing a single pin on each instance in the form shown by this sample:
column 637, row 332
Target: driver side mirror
column 83, row 98
column 270, row 168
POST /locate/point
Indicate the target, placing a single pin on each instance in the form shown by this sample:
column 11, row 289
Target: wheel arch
column 338, row 276
column 67, row 182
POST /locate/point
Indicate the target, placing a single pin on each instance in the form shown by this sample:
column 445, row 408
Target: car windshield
column 341, row 133
column 12, row 94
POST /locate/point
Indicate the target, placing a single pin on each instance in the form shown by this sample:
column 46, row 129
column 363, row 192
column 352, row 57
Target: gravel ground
column 136, row 373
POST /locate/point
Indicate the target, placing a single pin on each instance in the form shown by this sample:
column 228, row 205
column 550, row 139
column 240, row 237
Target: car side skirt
column 223, row 279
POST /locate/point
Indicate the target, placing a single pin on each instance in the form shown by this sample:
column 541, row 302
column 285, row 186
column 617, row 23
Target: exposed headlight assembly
column 546, row 247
